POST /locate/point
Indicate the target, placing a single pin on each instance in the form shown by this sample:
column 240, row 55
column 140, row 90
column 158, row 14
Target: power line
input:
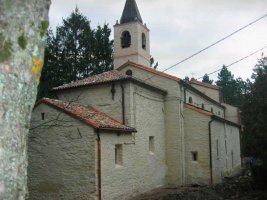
column 213, row 44
column 237, row 61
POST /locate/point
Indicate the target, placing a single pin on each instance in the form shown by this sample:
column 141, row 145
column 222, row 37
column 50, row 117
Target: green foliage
column 22, row 41
column 186, row 79
column 233, row 89
column 206, row 79
column 74, row 52
column 254, row 115
column 5, row 48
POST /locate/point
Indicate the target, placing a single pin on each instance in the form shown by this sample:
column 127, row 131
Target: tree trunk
column 23, row 26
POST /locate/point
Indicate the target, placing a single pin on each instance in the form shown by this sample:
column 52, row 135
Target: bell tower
column 131, row 37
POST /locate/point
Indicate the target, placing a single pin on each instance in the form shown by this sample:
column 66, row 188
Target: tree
column 254, row 114
column 23, row 26
column 75, row 52
column 206, row 79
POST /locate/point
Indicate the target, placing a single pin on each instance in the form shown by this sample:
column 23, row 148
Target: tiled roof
column 194, row 81
column 149, row 69
column 199, row 110
column 96, row 79
column 88, row 115
column 107, row 77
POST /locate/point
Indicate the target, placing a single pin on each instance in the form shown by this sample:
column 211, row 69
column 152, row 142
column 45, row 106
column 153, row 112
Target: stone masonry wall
column 225, row 150
column 198, row 101
column 212, row 93
column 122, row 55
column 197, row 141
column 99, row 96
column 173, row 122
column 61, row 157
column 141, row 170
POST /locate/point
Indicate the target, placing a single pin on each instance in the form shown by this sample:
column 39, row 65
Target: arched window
column 125, row 39
column 143, row 41
column 190, row 100
column 203, row 106
column 211, row 109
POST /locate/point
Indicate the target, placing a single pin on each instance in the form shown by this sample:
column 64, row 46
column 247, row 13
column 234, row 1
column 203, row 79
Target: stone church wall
column 141, row 169
column 99, row 96
column 173, row 122
column 61, row 157
column 197, row 142
column 226, row 153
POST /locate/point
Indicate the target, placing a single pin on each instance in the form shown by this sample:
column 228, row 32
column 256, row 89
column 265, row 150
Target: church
column 130, row 130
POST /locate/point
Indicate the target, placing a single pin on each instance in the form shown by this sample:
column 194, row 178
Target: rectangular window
column 225, row 147
column 194, row 155
column 118, row 154
column 151, row 144
column 43, row 116
column 217, row 145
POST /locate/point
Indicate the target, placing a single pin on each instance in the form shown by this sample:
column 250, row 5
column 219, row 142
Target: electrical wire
column 235, row 62
column 213, row 44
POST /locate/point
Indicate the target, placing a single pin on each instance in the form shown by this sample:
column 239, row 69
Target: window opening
column 125, row 39
column 118, row 154
column 43, row 116
column 151, row 144
column 190, row 100
column 194, row 156
column 143, row 41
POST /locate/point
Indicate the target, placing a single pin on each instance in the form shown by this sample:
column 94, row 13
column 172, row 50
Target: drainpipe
column 123, row 104
column 99, row 163
column 210, row 148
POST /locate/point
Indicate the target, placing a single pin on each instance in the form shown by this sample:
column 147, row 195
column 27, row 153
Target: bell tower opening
column 131, row 37
column 125, row 39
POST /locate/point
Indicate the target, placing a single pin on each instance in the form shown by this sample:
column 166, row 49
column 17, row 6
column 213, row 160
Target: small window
column 118, row 154
column 190, row 100
column 203, row 106
column 225, row 144
column 151, row 144
column 219, row 113
column 143, row 41
column 211, row 109
column 129, row 72
column 217, row 145
column 194, row 155
column 43, row 116
column 125, row 39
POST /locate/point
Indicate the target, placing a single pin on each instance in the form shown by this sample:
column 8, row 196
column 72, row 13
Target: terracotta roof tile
column 106, row 77
column 199, row 110
column 194, row 81
column 88, row 115
column 149, row 69
column 96, row 79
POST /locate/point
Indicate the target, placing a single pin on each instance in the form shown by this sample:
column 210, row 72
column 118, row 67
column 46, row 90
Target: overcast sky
column 179, row 28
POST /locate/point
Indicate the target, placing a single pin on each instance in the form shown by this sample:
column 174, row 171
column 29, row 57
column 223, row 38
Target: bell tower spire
column 131, row 37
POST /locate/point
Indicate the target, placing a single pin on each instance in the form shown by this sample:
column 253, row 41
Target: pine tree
column 254, row 114
column 206, row 79
column 75, row 52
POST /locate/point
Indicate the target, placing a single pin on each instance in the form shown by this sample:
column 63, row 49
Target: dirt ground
column 241, row 188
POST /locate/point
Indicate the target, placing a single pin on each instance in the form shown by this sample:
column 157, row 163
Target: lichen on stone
column 5, row 48
column 22, row 41
column 44, row 27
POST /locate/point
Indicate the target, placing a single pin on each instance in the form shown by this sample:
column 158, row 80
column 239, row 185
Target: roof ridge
column 149, row 69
